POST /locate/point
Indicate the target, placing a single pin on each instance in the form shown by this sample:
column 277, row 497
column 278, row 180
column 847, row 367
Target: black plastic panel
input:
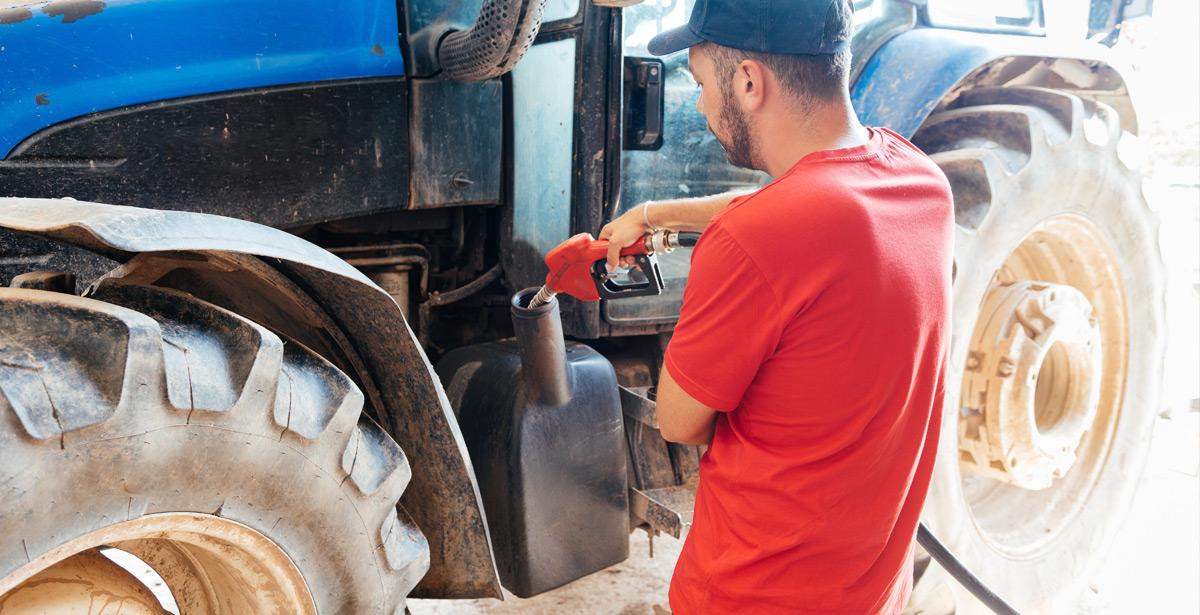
column 457, row 136
column 280, row 156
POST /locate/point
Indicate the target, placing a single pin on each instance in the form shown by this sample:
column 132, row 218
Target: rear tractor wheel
column 1057, row 355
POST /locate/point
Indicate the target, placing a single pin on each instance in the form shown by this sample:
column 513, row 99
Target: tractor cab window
column 690, row 162
column 998, row 15
column 866, row 11
column 560, row 9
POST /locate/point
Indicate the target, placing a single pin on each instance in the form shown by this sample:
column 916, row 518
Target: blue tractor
column 239, row 235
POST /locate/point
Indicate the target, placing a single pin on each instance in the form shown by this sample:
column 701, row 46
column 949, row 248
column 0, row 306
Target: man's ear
column 750, row 85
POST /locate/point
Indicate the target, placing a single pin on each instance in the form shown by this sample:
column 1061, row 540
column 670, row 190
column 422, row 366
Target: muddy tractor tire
column 236, row 464
column 1056, row 361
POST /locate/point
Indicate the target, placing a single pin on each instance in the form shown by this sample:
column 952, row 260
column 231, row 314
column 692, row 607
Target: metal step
column 666, row 509
column 638, row 406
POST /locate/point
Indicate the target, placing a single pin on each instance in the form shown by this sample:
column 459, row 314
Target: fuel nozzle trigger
column 649, row 283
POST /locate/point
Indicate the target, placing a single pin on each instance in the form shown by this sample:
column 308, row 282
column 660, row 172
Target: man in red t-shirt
column 810, row 353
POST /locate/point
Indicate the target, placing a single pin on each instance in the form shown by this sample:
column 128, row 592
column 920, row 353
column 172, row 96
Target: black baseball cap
column 769, row 26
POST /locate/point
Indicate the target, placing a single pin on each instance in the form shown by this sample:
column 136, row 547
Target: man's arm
column 729, row 326
column 676, row 214
column 681, row 418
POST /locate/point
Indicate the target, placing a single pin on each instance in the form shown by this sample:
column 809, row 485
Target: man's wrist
column 646, row 216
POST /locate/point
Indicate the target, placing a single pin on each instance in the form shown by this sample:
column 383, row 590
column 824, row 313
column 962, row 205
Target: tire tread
column 116, row 351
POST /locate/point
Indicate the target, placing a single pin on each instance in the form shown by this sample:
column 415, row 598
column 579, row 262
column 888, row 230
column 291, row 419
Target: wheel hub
column 212, row 565
column 1031, row 385
column 84, row 584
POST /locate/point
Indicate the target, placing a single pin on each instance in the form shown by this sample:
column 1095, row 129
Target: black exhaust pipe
column 493, row 45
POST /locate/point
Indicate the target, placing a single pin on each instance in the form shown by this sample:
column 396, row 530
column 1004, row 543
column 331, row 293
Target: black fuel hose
column 687, row 240
column 949, row 563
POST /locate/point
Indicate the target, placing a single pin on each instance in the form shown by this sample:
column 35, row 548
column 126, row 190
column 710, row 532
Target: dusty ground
column 1155, row 563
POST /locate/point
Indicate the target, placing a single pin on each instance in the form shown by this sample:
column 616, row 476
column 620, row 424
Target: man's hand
column 628, row 229
column 675, row 214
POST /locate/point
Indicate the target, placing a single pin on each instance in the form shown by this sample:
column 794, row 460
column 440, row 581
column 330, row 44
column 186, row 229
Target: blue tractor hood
column 68, row 58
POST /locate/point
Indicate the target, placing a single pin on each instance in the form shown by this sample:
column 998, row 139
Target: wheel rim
column 1031, row 383
column 1053, row 427
column 210, row 564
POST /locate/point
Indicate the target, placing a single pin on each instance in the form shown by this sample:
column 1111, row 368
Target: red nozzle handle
column 571, row 262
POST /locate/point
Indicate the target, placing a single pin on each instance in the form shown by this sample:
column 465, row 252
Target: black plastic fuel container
column 542, row 421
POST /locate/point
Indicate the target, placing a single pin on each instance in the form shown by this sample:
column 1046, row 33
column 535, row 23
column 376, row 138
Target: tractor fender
column 923, row 69
column 443, row 496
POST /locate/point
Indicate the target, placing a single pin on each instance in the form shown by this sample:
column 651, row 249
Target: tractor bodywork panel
column 918, row 70
column 68, row 58
column 284, row 113
column 284, row 156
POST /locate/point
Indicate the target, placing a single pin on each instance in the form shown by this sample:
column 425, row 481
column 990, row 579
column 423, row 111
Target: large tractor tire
column 236, row 464
column 1057, row 355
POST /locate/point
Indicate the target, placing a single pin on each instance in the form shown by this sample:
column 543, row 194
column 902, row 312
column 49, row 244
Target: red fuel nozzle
column 577, row 268
column 573, row 265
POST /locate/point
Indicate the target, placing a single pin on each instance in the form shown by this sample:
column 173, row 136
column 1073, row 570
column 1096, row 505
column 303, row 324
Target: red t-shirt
column 816, row 319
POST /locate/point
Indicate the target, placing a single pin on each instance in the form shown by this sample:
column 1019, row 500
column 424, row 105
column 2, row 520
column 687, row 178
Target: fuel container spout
column 542, row 349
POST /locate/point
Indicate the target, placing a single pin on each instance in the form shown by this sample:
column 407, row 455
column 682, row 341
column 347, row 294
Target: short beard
column 740, row 150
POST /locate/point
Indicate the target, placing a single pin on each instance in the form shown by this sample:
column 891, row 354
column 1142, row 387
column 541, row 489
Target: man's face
column 720, row 109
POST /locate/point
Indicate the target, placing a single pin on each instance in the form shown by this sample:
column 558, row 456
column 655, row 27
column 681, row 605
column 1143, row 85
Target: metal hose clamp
column 662, row 241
